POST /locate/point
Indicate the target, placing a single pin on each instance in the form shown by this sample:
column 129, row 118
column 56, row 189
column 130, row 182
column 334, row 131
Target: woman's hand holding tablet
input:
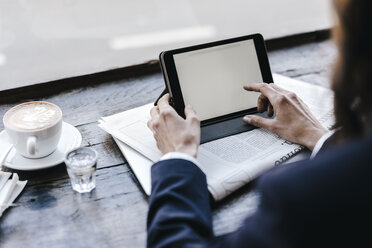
column 173, row 133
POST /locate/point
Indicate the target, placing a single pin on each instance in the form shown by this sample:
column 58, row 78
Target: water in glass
column 81, row 166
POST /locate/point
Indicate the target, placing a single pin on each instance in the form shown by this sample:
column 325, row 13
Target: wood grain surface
column 50, row 214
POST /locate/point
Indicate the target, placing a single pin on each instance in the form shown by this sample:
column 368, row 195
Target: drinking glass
column 81, row 166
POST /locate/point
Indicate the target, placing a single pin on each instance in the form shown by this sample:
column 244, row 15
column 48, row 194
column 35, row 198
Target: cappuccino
column 32, row 116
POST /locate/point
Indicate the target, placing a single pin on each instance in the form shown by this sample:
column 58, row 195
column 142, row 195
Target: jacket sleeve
column 180, row 215
column 179, row 207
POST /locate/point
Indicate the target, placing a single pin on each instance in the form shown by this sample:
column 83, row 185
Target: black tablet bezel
column 172, row 82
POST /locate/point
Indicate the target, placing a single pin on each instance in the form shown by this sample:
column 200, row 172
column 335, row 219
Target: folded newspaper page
column 230, row 162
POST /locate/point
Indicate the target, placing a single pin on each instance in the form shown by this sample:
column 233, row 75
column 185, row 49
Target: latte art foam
column 33, row 116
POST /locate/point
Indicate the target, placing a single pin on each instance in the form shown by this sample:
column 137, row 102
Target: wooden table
column 50, row 214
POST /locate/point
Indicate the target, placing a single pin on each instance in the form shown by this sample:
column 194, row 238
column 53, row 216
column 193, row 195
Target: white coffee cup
column 34, row 128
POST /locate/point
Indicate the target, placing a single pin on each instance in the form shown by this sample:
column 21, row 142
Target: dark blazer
column 324, row 202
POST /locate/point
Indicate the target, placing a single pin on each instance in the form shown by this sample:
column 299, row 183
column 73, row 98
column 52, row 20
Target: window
column 44, row 40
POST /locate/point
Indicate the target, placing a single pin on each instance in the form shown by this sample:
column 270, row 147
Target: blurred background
column 44, row 40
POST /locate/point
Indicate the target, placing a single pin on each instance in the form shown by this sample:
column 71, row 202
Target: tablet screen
column 212, row 79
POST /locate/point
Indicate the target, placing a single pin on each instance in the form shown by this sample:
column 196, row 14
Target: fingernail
column 247, row 118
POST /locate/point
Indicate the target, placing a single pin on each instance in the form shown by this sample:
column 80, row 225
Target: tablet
column 210, row 77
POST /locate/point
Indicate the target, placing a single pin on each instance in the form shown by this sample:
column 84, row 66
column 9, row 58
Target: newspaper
column 230, row 162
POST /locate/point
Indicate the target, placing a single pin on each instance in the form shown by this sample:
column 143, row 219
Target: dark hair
column 352, row 81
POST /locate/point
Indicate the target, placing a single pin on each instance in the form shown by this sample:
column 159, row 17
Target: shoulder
column 327, row 194
column 339, row 165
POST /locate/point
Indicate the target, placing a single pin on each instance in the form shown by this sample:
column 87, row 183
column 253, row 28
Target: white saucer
column 70, row 139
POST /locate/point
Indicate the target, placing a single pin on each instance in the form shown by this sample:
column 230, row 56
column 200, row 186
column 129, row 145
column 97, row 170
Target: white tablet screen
column 212, row 79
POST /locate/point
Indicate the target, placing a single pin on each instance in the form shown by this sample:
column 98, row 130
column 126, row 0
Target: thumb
column 189, row 111
column 258, row 121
